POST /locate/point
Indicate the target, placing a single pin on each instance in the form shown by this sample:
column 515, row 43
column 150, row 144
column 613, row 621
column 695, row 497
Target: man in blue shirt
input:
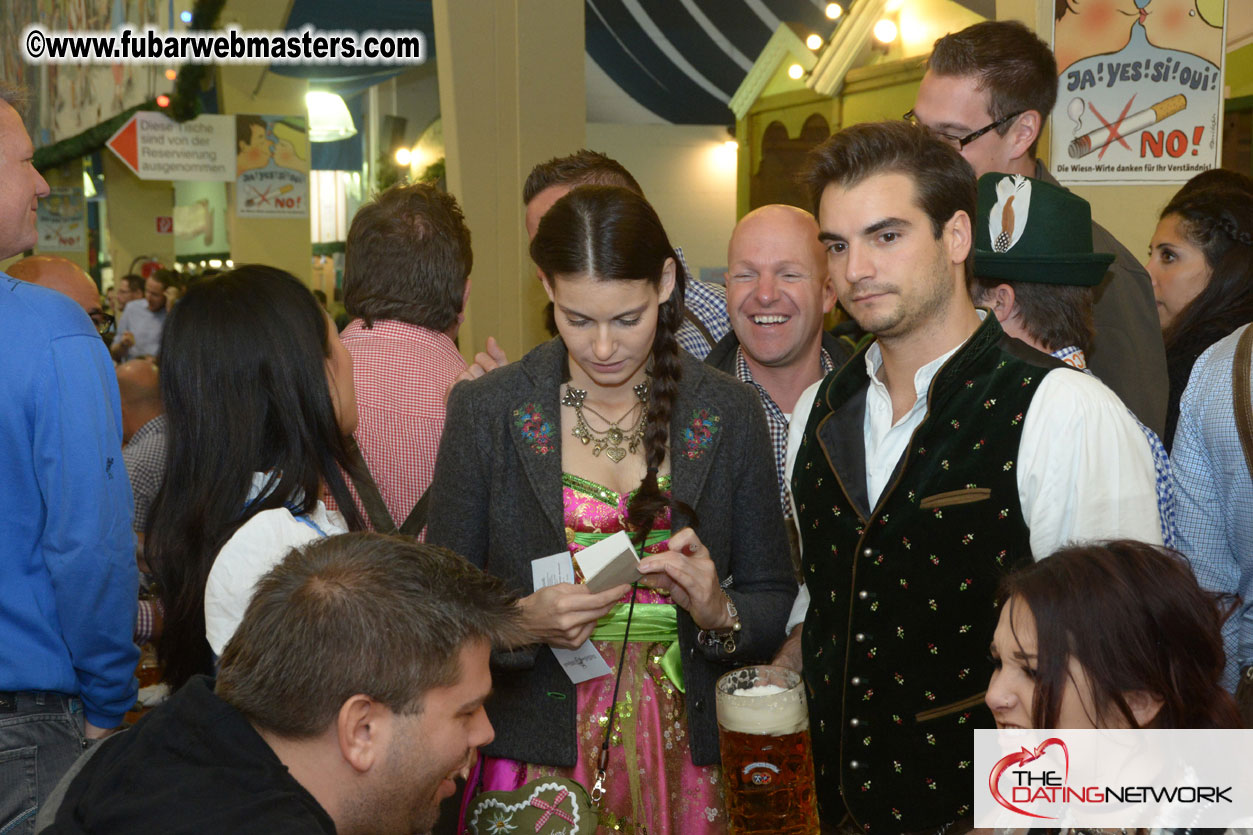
column 67, row 568
column 139, row 328
column 1214, row 496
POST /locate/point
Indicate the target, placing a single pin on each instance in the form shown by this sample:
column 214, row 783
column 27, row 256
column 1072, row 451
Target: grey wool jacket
column 496, row 499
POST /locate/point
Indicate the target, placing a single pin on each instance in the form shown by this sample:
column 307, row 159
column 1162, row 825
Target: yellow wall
column 511, row 95
column 688, row 173
column 134, row 206
column 1240, row 72
column 881, row 92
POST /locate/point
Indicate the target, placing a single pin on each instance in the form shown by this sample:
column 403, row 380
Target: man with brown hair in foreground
column 348, row 701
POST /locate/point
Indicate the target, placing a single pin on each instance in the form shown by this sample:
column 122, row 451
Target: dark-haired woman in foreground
column 610, row 427
column 1201, row 264
column 259, row 397
column 1117, row 635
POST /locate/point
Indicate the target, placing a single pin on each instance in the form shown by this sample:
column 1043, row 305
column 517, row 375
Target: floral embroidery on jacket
column 699, row 434
column 535, row 428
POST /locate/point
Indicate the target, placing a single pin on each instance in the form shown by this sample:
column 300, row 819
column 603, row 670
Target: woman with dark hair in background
column 1201, row 264
column 1117, row 635
column 259, row 398
column 610, row 427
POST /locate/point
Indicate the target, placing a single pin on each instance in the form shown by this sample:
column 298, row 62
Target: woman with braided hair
column 611, row 427
column 1201, row 264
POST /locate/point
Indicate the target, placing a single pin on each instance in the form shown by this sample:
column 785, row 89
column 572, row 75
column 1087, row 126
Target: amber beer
column 767, row 762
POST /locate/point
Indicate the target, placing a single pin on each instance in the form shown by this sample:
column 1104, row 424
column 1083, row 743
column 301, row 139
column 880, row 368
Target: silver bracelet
column 724, row 638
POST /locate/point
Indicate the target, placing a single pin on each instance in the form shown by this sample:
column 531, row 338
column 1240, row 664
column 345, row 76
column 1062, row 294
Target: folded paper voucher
column 610, row 562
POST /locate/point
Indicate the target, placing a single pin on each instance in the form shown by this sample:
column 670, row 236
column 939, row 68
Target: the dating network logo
column 1154, row 777
column 1027, row 786
column 1043, row 784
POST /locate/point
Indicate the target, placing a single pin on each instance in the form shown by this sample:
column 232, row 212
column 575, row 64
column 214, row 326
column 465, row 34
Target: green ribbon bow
column 650, row 623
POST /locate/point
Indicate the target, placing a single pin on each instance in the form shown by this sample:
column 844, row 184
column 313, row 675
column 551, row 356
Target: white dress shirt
column 1084, row 469
column 258, row 545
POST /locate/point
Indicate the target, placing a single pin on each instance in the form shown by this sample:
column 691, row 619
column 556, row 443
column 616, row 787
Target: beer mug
column 767, row 761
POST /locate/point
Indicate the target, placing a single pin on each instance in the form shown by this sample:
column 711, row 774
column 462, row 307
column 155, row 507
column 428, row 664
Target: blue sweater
column 68, row 579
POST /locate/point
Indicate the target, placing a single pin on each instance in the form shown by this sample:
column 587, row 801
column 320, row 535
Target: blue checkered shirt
column 1215, row 495
column 144, row 456
column 776, row 422
column 1074, row 357
column 707, row 304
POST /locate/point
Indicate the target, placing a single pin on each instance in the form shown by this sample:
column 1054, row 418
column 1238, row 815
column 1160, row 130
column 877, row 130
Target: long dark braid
column 613, row 233
column 649, row 501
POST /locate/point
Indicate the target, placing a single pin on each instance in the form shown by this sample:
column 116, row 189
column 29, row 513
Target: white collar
column 924, row 375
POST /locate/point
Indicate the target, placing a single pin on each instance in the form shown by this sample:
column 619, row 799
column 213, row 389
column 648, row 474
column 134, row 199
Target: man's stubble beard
column 911, row 313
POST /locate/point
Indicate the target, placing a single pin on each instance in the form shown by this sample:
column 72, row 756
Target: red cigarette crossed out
column 1113, row 129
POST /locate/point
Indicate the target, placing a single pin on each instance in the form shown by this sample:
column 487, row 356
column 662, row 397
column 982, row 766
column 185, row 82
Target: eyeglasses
column 104, row 322
column 960, row 142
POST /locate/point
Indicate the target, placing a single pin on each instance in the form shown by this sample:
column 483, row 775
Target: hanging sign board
column 1140, row 91
column 272, row 166
column 156, row 147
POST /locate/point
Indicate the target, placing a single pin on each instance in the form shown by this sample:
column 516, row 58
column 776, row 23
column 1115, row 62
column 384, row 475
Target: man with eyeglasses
column 68, row 279
column 68, row 579
column 988, row 91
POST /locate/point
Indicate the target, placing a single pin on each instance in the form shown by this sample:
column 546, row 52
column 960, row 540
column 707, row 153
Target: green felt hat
column 1030, row 230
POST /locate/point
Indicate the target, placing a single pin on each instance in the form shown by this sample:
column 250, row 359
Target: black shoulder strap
column 700, row 326
column 368, row 491
column 375, row 507
column 416, row 520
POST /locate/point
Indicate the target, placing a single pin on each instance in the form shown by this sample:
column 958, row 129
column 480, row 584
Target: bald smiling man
column 778, row 292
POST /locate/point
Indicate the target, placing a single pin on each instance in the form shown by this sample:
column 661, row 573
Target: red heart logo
column 1023, row 757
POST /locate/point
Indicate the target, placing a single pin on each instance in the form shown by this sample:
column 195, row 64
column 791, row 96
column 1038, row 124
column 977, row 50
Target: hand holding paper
column 564, row 615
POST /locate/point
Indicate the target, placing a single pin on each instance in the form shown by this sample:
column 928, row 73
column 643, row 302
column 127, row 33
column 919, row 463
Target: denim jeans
column 41, row 734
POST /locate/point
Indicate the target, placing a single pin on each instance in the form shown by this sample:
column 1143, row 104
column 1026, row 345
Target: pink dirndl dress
column 651, row 784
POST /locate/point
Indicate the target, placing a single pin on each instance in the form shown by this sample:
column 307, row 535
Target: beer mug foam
column 746, row 712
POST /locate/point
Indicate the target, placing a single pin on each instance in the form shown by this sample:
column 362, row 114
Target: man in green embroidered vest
column 930, row 465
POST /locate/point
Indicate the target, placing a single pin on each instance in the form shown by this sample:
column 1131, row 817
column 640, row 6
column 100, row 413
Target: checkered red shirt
column 402, row 373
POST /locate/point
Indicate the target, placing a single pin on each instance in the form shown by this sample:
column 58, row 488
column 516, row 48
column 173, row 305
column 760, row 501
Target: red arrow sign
column 125, row 143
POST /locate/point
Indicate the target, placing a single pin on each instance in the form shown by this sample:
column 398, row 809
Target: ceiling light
column 795, row 71
column 834, row 10
column 329, row 119
column 403, row 157
column 885, row 31
column 814, row 42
